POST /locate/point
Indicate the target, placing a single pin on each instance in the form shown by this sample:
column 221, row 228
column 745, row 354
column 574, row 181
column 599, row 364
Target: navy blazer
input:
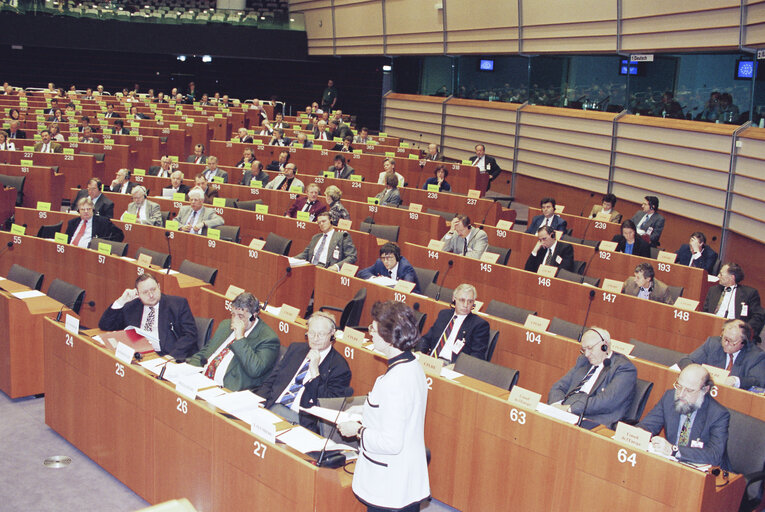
column 444, row 187
column 745, row 295
column 710, row 427
column 611, row 396
column 474, row 330
column 558, row 224
column 103, row 207
column 749, row 365
column 562, row 249
column 102, row 228
column 706, row 261
column 404, row 272
column 177, row 329
column 334, row 377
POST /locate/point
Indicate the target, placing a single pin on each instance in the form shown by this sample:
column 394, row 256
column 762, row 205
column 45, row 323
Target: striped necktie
column 295, row 386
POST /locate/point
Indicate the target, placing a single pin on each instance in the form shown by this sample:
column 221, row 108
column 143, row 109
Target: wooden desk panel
column 77, row 169
column 116, row 156
column 41, row 184
column 7, row 203
column 584, row 227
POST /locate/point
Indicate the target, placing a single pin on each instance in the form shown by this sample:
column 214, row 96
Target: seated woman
column 14, row 114
column 629, row 243
column 390, row 196
column 55, row 133
column 336, row 209
column 6, row 144
column 439, row 178
column 389, row 164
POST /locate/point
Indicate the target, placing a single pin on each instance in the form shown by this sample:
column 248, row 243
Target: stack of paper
column 238, row 403
column 304, row 441
column 554, row 412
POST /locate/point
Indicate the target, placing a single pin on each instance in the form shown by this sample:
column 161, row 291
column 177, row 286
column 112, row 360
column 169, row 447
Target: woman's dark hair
column 396, row 324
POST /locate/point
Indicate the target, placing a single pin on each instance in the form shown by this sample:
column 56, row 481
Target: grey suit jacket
column 207, row 216
column 389, row 198
column 477, row 244
column 218, row 172
column 344, row 174
column 749, row 365
column 659, row 292
column 341, row 249
column 611, row 396
column 192, row 159
column 153, row 215
column 655, row 225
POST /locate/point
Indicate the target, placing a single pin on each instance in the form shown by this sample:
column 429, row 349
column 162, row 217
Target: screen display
column 744, row 69
column 631, row 66
column 486, row 65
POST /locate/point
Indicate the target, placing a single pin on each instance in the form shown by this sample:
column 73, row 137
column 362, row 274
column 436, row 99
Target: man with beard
column 696, row 426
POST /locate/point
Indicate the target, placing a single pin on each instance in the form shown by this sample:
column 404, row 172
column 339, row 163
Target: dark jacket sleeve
column 479, row 338
column 567, row 257
column 114, row 319
column 184, row 328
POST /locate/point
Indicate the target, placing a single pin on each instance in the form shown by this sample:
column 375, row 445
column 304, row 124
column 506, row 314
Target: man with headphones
column 464, row 239
column 102, row 205
column 308, row 371
column 609, row 378
column 734, row 351
column 242, row 351
column 199, row 156
column 695, row 425
column 644, row 285
column 391, row 264
column 457, row 330
column 730, row 299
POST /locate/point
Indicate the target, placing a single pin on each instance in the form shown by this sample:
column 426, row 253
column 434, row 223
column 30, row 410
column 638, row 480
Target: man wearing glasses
column 308, row 371
column 393, row 265
column 695, row 425
column 457, row 330
column 607, row 377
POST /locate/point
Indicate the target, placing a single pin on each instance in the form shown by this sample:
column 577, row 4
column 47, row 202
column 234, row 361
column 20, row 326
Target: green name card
column 61, row 238
column 72, row 138
column 218, row 179
column 213, row 233
column 218, row 116
column 135, row 124
column 179, row 196
column 356, row 151
column 413, row 157
column 467, row 162
column 234, row 139
column 373, row 200
column 134, row 132
column 261, row 208
column 309, row 136
column 296, row 188
column 172, row 224
column 139, row 172
column 303, row 216
column 432, row 188
column 297, row 145
column 173, row 158
column 256, row 184
column 382, row 134
column 42, row 205
column 357, row 177
column 403, row 144
column 29, row 148
column 26, row 163
column 219, row 201
column 109, row 141
column 104, row 248
column 129, row 217
column 316, row 146
column 68, row 151
column 108, row 131
column 390, row 154
column 174, row 127
column 337, row 139
column 17, row 230
column 329, row 174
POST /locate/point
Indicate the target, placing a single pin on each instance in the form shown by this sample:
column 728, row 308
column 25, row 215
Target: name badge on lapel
column 698, row 443
column 336, row 253
column 744, row 309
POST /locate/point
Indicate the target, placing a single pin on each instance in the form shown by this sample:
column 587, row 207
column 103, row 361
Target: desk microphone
column 336, row 459
column 7, row 246
column 451, row 264
column 586, row 315
column 606, row 367
column 169, row 251
column 61, row 311
column 287, row 273
column 594, row 252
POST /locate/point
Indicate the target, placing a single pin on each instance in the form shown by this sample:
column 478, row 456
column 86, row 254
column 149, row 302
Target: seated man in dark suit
column 433, row 154
column 247, row 158
column 340, row 168
column 164, row 169
column 118, row 128
column 548, row 217
column 166, row 318
column 696, row 253
column 303, row 140
column 550, row 251
column 121, row 183
column 630, row 243
column 14, row 132
column 695, row 425
column 609, row 378
column 176, row 183
column 329, row 248
column 242, row 351
column 244, row 137
column 308, row 371
column 310, row 203
column 457, row 330
column 134, row 114
column 278, row 139
column 278, row 165
column 486, row 163
column 345, row 145
column 47, row 145
column 391, row 264
column 213, row 171
column 86, row 227
column 102, row 205
column 255, row 173
column 734, row 351
column 730, row 299
column 199, row 156
column 644, row 286
column 649, row 221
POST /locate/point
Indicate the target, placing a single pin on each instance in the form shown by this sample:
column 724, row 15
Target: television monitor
column 745, row 69
column 486, row 65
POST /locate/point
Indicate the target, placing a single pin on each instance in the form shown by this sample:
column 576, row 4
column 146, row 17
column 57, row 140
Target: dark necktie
column 319, row 250
column 582, row 382
column 444, row 336
column 295, row 386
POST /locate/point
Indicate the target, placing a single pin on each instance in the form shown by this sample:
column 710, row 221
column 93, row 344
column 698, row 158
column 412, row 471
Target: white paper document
column 450, row 374
column 153, row 365
column 28, row 294
column 141, row 332
column 554, row 412
column 174, row 371
column 237, row 403
column 210, row 394
column 382, row 280
column 251, row 416
column 296, row 262
column 304, row 441
column 330, row 414
column 197, row 381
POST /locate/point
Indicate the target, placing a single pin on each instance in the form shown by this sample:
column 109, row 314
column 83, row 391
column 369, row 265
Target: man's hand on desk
column 661, row 445
column 349, row 428
column 562, row 407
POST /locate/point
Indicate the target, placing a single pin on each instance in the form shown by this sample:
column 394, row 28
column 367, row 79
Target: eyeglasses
column 315, row 335
column 683, row 389
column 584, row 350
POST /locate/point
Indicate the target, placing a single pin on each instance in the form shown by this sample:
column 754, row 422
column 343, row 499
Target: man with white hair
column 121, row 183
column 145, row 211
column 601, row 385
column 196, row 218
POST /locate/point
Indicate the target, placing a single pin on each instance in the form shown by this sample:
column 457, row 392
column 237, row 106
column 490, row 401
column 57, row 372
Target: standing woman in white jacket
column 392, row 472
